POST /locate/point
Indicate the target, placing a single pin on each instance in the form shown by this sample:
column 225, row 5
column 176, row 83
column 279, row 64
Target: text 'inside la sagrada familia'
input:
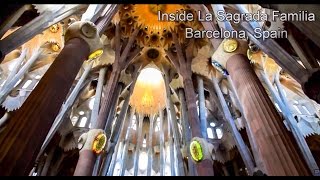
column 159, row 90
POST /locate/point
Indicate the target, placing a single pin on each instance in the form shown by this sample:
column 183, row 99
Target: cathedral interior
column 110, row 90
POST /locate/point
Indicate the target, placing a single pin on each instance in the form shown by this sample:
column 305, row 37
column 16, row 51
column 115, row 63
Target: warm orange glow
column 270, row 65
column 148, row 16
column 149, row 92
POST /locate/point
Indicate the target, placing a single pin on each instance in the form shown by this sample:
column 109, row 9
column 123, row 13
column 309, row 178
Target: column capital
column 89, row 140
column 201, row 145
column 221, row 56
column 87, row 31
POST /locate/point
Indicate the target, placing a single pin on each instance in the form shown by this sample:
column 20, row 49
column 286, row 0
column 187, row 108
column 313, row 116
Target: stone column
column 170, row 144
column 186, row 131
column 97, row 98
column 242, row 148
column 161, row 139
column 112, row 117
column 27, row 129
column 202, row 108
column 182, row 62
column 120, row 63
column 48, row 161
column 308, row 79
column 150, row 146
column 138, row 146
column 276, row 149
column 97, row 162
column 122, row 60
column 172, row 120
column 117, row 136
column 124, row 155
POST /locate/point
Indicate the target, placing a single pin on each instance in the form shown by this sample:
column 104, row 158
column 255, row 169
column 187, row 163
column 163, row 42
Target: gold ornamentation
column 96, row 54
column 55, row 47
column 230, row 45
column 196, row 151
column 99, row 143
column 147, row 16
column 54, row 28
column 157, row 7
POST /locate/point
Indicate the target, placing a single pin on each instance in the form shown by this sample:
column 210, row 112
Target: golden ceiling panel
column 147, row 17
column 154, row 33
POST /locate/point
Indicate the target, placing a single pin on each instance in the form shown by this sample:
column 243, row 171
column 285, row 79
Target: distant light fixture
column 149, row 92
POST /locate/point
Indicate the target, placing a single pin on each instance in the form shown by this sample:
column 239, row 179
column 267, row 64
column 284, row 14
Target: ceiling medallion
column 153, row 53
column 230, row 45
column 155, row 33
column 196, row 151
column 99, row 143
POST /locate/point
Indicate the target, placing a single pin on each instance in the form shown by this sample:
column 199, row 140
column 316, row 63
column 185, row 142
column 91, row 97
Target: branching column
column 276, row 149
column 87, row 157
column 186, row 131
column 161, row 140
column 124, row 156
column 120, row 63
column 171, row 114
column 202, row 107
column 307, row 78
column 183, row 64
